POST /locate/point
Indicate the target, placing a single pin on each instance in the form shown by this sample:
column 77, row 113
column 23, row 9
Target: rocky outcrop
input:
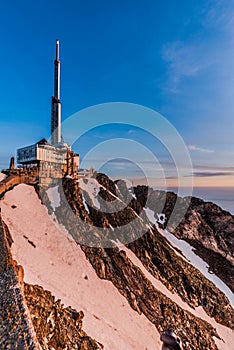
column 211, row 231
column 56, row 327
column 208, row 223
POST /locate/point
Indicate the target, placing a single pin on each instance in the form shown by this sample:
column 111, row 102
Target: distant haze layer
column 222, row 196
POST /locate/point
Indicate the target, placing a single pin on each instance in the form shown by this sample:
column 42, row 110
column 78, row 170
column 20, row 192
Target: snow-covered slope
column 53, row 260
column 58, row 264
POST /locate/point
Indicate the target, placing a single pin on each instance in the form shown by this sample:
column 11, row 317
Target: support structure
column 56, row 104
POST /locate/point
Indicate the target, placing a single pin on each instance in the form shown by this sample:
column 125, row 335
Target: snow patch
column 92, row 187
column 197, row 262
column 85, row 204
column 54, row 197
column 150, row 215
column 161, row 219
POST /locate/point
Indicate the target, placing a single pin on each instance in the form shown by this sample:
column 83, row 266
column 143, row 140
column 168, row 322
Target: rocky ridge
column 205, row 226
column 153, row 250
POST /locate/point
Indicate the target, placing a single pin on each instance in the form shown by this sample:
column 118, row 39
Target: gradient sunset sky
column 175, row 57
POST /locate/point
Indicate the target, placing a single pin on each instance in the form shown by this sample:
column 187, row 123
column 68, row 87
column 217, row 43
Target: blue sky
column 175, row 57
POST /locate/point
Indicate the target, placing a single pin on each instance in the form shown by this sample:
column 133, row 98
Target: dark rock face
column 56, row 327
column 216, row 227
column 211, row 231
column 84, row 225
column 205, row 226
column 106, row 182
column 155, row 254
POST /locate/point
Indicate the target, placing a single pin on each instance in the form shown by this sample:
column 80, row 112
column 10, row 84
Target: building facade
column 42, row 151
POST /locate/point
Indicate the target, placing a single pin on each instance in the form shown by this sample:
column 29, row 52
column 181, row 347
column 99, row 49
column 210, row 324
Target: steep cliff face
column 211, row 231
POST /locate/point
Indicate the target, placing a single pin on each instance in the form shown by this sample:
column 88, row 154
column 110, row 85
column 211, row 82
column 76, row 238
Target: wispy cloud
column 210, row 174
column 211, row 45
column 214, row 167
column 199, row 149
column 182, row 61
column 218, row 13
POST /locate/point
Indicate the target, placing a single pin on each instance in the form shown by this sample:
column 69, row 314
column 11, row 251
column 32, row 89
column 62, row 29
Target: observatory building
column 54, row 159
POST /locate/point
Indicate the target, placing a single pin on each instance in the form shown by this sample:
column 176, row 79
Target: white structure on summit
column 56, row 104
column 56, row 155
column 39, row 152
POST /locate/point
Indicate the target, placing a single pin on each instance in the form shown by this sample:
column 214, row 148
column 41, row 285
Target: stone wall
column 16, row 331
